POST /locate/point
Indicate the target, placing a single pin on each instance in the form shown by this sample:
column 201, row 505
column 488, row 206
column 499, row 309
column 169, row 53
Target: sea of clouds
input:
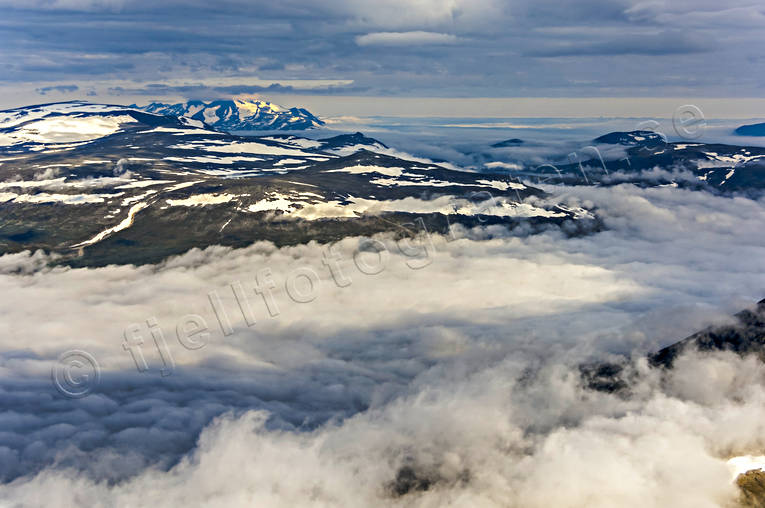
column 430, row 372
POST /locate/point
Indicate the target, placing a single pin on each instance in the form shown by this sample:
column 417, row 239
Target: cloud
column 398, row 14
column 467, row 436
column 405, row 39
column 204, row 91
column 58, row 88
column 459, row 367
column 658, row 44
column 66, row 5
column 480, row 49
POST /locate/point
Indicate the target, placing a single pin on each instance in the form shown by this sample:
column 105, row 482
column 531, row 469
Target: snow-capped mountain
column 240, row 115
column 105, row 184
column 74, row 122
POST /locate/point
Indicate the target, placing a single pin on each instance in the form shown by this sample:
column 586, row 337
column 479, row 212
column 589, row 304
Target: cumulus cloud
column 378, row 368
column 423, row 13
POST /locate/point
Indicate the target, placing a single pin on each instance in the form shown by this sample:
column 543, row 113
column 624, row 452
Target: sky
column 323, row 53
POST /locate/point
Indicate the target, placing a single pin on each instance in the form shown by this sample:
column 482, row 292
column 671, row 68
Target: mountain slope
column 153, row 186
column 240, row 115
column 647, row 159
column 744, row 336
column 757, row 129
column 75, row 122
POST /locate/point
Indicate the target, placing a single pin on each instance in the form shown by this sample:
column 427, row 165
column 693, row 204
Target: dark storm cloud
column 397, row 47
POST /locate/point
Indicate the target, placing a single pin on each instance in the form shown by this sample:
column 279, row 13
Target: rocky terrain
column 645, row 158
column 101, row 184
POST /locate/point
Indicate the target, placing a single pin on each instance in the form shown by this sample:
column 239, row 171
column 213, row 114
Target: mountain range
column 101, row 184
column 647, row 159
column 239, row 115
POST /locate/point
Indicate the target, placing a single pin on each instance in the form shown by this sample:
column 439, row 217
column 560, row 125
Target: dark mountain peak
column 631, row 138
column 508, row 143
column 351, row 140
column 745, row 336
column 757, row 129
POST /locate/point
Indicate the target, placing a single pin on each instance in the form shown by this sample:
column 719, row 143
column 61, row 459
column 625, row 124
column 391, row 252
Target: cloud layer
column 431, row 48
column 377, row 368
column 404, row 38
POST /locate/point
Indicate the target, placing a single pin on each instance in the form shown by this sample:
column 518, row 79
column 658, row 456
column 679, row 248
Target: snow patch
column 358, row 170
column 67, row 199
column 213, row 159
column 126, row 223
column 241, row 147
column 744, row 464
column 503, row 186
column 202, row 200
column 66, row 129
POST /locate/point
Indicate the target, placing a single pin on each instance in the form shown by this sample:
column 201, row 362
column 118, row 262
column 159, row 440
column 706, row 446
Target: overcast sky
column 127, row 50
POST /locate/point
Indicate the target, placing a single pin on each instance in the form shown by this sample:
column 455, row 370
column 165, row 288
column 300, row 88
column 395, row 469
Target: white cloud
column 463, row 370
column 405, row 39
column 73, row 5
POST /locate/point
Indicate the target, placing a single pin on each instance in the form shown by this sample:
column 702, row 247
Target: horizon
column 459, row 107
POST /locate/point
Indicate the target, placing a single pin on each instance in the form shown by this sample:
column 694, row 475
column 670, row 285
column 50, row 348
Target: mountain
column 240, row 115
column 74, row 122
column 752, row 487
column 757, row 129
column 744, row 336
column 508, row 143
column 634, row 138
column 100, row 184
column 645, row 158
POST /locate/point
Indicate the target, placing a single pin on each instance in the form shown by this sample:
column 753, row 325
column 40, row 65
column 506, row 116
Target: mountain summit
column 240, row 115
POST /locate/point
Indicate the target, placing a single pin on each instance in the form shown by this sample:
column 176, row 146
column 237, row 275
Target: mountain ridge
column 120, row 194
column 239, row 114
